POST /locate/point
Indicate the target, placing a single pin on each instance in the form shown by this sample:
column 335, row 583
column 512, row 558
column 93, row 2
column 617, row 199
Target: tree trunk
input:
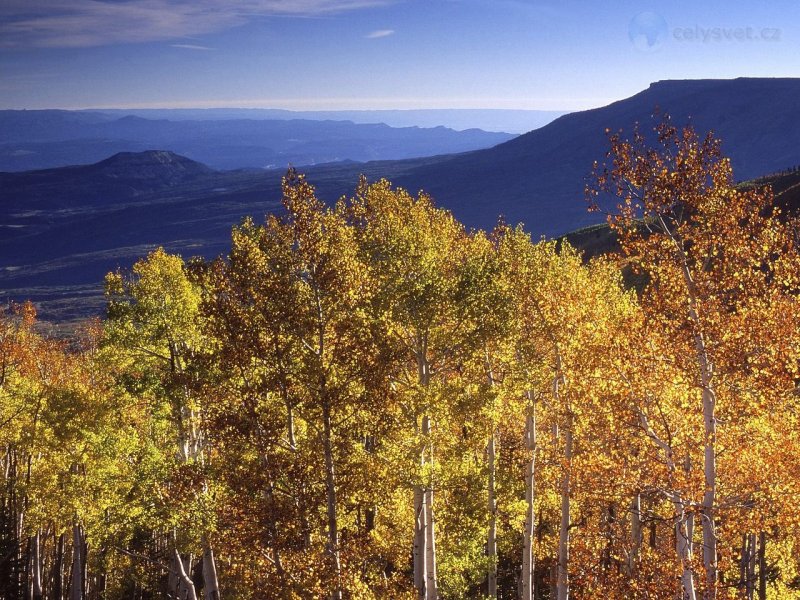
column 684, row 527
column 77, row 583
column 706, row 371
column 528, row 557
column 28, row 572
column 58, row 569
column 210, row 582
column 491, row 542
column 751, row 566
column 425, row 577
column 36, row 571
column 431, row 583
column 744, row 562
column 562, row 580
column 330, row 484
column 708, row 511
column 18, row 567
column 564, row 530
column 637, row 535
column 173, row 577
column 491, row 537
column 420, row 571
column 747, row 566
column 762, row 565
column 102, row 577
column 186, row 589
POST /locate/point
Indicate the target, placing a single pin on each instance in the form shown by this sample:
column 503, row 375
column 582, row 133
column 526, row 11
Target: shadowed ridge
column 538, row 178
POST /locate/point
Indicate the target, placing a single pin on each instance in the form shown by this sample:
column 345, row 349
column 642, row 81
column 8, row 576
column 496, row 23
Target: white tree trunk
column 210, row 582
column 762, row 565
column 76, row 589
column 425, row 578
column 528, row 557
column 563, row 536
column 636, row 535
column 186, row 589
column 173, row 578
column 749, row 565
column 708, row 509
column 330, row 484
column 420, row 572
column 491, row 542
column 706, row 371
column 431, row 583
column 36, row 556
column 562, row 580
column 709, row 497
column 491, row 537
column 684, row 529
column 684, row 524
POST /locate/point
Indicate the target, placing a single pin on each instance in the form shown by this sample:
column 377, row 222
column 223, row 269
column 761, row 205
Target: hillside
column 121, row 177
column 64, row 229
column 58, row 257
column 538, row 178
column 598, row 239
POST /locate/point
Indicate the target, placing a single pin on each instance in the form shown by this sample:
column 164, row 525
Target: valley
column 65, row 228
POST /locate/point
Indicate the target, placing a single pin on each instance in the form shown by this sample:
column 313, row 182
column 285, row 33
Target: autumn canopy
column 369, row 401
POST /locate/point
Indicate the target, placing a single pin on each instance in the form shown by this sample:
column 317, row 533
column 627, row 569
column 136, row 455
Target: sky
column 379, row 54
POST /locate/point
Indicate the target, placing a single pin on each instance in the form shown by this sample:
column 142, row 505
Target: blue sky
column 379, row 54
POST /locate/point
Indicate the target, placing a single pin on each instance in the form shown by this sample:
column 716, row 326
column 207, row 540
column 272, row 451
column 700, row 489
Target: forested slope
column 370, row 401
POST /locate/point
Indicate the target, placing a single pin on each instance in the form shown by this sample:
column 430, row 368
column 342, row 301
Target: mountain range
column 64, row 228
column 494, row 119
column 54, row 138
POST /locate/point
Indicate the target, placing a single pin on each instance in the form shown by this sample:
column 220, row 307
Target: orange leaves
column 721, row 311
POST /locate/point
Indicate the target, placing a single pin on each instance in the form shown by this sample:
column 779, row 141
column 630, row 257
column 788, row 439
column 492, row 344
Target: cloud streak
column 85, row 23
column 191, row 47
column 379, row 33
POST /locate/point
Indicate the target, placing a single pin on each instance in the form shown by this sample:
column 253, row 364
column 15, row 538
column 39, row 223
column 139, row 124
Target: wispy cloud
column 81, row 23
column 379, row 33
column 191, row 47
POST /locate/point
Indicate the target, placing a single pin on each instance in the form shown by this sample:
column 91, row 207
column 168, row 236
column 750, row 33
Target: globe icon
column 648, row 31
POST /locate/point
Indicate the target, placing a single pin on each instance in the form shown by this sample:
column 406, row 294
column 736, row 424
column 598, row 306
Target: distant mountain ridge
column 52, row 138
column 538, row 178
column 493, row 119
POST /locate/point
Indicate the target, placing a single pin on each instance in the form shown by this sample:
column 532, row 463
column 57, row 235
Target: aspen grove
column 368, row 400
